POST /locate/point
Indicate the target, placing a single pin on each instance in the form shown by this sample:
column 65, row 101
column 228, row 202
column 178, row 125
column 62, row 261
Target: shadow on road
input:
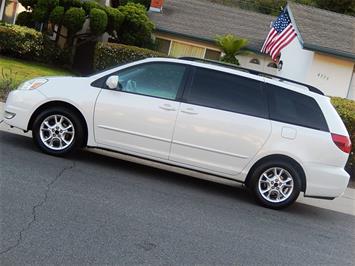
column 12, row 143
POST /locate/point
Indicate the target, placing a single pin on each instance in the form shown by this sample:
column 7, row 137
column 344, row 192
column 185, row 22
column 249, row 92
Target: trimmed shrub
column 56, row 16
column 87, row 6
column 98, row 21
column 48, row 4
column 137, row 28
column 74, row 19
column 346, row 110
column 20, row 41
column 115, row 19
column 70, row 3
column 111, row 54
column 145, row 3
column 25, row 19
column 40, row 14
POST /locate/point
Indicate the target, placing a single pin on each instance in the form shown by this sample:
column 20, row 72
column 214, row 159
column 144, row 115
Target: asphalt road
column 91, row 209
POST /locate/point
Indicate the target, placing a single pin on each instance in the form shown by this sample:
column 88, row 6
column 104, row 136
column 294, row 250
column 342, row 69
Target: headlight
column 32, row 84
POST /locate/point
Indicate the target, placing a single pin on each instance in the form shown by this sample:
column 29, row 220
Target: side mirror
column 112, row 82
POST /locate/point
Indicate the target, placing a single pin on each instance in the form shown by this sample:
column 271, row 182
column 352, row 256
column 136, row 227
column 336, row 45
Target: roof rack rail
column 251, row 71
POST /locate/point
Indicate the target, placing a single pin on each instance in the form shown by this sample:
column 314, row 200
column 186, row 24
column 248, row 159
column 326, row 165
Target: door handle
column 167, row 107
column 189, row 111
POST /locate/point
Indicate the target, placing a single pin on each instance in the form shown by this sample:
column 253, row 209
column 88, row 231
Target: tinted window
column 157, row 79
column 227, row 92
column 295, row 108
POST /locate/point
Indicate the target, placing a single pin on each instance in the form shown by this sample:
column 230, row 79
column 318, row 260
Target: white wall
column 351, row 94
column 264, row 60
column 296, row 61
column 330, row 74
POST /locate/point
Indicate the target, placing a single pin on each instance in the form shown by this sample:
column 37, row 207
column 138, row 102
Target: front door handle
column 189, row 111
column 167, row 107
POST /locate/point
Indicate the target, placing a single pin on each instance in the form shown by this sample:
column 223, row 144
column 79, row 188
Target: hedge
column 22, row 42
column 346, row 110
column 111, row 54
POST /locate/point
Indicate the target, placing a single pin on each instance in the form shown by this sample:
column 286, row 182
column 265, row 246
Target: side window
column 161, row 80
column 295, row 108
column 227, row 92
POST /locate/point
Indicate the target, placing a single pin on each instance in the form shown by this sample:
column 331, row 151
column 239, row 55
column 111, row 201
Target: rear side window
column 295, row 108
column 228, row 92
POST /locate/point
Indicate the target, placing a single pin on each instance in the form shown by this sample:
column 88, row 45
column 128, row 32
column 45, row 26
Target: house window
column 181, row 49
column 255, row 61
column 212, row 54
column 272, row 65
column 163, row 45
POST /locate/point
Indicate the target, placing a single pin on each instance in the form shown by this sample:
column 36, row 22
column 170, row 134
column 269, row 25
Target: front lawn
column 15, row 71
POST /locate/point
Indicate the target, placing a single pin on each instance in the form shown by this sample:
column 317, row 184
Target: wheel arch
column 278, row 157
column 60, row 104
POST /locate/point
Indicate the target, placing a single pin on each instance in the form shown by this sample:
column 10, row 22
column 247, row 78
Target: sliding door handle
column 189, row 111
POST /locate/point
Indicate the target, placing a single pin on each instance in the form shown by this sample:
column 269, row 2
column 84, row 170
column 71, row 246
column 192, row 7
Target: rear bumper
column 324, row 181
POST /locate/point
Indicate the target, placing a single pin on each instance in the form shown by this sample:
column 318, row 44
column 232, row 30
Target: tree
column 115, row 20
column 136, row 28
column 339, row 6
column 232, row 46
column 98, row 21
column 74, row 20
column 145, row 3
column 57, row 15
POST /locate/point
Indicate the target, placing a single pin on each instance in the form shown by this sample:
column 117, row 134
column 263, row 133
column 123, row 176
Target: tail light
column 342, row 142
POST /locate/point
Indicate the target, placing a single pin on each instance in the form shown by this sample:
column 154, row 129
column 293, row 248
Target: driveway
column 92, row 209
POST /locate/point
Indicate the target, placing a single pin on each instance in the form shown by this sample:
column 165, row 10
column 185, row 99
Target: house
column 189, row 28
column 9, row 9
column 323, row 55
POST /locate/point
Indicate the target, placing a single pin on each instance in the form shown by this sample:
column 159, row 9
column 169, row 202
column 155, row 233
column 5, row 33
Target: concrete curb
column 344, row 204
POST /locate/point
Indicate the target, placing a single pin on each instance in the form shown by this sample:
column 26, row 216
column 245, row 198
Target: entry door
column 222, row 125
column 139, row 116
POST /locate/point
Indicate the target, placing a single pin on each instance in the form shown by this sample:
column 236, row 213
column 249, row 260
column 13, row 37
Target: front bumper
column 325, row 181
column 20, row 105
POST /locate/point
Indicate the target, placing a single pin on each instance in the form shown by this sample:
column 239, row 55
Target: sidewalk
column 344, row 204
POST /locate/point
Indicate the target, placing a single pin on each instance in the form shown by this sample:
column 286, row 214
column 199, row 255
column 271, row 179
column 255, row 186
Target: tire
column 58, row 131
column 275, row 184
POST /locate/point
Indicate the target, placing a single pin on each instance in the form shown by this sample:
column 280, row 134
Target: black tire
column 76, row 141
column 267, row 168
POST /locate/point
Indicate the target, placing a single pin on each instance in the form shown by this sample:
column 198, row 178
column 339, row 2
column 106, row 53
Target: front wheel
column 276, row 185
column 57, row 131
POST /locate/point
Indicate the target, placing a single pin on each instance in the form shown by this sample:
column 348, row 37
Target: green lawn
column 20, row 70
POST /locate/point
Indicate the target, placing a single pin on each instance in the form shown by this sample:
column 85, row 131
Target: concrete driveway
column 92, row 209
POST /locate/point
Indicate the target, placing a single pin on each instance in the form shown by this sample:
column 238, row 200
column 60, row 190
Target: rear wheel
column 276, row 185
column 57, row 131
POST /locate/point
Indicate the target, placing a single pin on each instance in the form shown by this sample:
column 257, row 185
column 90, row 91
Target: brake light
column 342, row 142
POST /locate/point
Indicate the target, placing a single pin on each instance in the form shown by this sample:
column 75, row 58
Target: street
column 92, row 209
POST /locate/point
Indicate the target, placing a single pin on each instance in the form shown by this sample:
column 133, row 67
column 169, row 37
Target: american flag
column 280, row 35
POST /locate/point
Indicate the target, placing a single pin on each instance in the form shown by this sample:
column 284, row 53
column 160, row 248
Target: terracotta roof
column 324, row 31
column 202, row 19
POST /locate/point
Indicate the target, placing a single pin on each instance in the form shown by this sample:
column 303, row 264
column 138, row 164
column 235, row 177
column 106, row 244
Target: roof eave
column 326, row 50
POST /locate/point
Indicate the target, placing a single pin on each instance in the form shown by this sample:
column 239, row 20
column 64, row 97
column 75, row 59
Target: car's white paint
column 185, row 135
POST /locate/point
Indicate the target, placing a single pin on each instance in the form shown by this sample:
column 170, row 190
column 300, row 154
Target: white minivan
column 276, row 136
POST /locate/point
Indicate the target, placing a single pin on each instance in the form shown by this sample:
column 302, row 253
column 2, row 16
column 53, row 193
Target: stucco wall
column 296, row 61
column 332, row 75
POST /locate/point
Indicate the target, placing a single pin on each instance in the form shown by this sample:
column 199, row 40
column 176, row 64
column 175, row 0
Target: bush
column 20, row 41
column 56, row 16
column 115, row 19
column 25, row 19
column 40, row 14
column 26, row 43
column 145, row 3
column 111, row 54
column 87, row 6
column 346, row 110
column 98, row 21
column 74, row 19
column 137, row 27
